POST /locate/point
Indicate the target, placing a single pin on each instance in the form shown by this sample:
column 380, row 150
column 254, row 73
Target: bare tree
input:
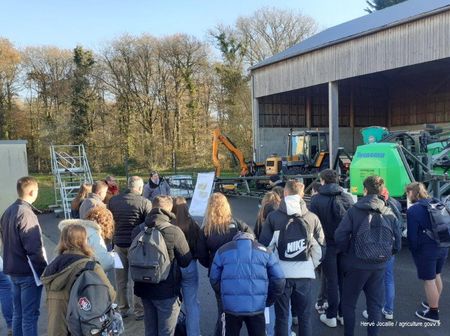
column 270, row 30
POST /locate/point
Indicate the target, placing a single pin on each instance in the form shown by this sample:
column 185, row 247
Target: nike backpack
column 294, row 240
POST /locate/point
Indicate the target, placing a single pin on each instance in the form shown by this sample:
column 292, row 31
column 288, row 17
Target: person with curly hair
column 99, row 225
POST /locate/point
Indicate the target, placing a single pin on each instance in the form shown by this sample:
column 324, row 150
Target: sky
column 91, row 23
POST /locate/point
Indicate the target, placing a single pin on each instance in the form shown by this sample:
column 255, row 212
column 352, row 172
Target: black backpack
column 440, row 223
column 294, row 240
column 90, row 310
column 374, row 239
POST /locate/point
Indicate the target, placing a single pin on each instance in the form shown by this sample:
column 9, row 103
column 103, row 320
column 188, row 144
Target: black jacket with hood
column 179, row 255
column 350, row 225
column 325, row 207
column 208, row 245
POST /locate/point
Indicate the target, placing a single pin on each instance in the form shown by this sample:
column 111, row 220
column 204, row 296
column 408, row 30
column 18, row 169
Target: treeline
column 144, row 99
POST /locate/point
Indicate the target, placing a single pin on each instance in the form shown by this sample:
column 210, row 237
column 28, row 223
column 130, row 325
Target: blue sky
column 66, row 23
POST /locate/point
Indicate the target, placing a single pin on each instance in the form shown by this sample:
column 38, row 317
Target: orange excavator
column 218, row 138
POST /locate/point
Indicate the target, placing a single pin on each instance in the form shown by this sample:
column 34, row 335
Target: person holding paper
column 24, row 257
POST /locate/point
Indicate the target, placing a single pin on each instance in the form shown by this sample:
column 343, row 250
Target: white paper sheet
column 117, row 262
column 37, row 280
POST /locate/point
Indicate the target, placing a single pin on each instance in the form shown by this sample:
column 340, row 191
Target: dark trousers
column 256, row 325
column 220, row 317
column 372, row 283
column 298, row 291
column 333, row 275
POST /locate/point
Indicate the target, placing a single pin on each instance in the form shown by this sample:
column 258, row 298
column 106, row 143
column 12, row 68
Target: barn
column 390, row 68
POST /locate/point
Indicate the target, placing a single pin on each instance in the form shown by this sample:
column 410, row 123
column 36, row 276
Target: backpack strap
column 90, row 265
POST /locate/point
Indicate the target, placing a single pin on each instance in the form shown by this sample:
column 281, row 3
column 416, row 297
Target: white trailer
column 13, row 165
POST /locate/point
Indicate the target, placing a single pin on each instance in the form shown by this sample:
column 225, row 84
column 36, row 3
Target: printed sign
column 202, row 191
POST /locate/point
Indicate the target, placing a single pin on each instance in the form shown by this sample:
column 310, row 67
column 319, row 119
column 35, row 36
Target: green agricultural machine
column 401, row 158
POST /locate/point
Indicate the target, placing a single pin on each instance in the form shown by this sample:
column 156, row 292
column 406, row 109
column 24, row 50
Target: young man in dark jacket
column 361, row 273
column 129, row 210
column 298, row 258
column 330, row 205
column 23, row 253
column 248, row 278
column 161, row 304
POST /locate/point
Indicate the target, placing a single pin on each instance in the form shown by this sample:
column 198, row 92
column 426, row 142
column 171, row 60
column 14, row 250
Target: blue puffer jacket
column 247, row 275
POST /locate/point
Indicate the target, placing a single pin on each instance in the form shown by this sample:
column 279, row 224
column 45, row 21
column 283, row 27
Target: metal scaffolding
column 70, row 168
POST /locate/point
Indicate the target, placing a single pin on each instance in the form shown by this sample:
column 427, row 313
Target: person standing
column 298, row 241
column 189, row 275
column 248, row 277
column 24, row 253
column 129, row 210
column 83, row 192
column 95, row 198
column 428, row 256
column 156, row 186
column 6, row 301
column 161, row 304
column 330, row 205
column 219, row 228
column 73, row 253
column 368, row 236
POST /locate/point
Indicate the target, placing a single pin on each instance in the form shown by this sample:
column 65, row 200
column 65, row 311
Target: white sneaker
column 387, row 316
column 293, row 333
column 330, row 322
column 340, row 319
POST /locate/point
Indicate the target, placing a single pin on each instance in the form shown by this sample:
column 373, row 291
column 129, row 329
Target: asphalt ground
column 409, row 291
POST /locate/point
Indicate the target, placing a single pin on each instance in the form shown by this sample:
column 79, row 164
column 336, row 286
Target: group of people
column 261, row 277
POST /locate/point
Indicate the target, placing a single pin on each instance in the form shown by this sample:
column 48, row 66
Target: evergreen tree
column 81, row 94
column 376, row 5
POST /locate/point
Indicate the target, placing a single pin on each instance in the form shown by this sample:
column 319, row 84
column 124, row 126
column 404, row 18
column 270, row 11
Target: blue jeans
column 26, row 301
column 270, row 327
column 389, row 286
column 189, row 286
column 6, row 299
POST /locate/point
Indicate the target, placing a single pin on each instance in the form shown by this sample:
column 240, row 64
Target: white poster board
column 202, row 191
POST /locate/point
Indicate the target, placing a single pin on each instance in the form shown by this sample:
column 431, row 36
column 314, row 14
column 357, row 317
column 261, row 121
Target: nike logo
column 294, row 248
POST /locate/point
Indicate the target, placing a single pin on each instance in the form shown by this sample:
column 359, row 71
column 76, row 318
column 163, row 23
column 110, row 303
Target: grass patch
column 46, row 195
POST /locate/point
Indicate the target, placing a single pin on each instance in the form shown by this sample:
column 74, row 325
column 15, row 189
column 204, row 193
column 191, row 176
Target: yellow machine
column 307, row 152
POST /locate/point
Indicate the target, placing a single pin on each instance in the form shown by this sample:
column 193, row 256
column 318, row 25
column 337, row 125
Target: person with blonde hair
column 98, row 224
column 428, row 256
column 269, row 203
column 74, row 253
column 83, row 192
column 219, row 228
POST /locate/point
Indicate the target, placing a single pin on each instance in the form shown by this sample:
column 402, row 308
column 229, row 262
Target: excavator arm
column 218, row 138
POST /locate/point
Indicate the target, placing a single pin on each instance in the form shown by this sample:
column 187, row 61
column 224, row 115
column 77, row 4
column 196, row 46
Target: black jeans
column 372, row 283
column 298, row 291
column 256, row 325
column 333, row 275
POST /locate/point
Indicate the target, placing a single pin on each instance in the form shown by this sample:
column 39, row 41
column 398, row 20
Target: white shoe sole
column 427, row 319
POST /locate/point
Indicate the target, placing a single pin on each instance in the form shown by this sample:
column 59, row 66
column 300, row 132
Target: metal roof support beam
column 333, row 119
column 255, row 125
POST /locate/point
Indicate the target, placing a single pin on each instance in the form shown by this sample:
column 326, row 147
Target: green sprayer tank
column 382, row 159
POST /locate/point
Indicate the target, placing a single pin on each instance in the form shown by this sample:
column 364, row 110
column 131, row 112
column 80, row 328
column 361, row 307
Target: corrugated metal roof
column 392, row 16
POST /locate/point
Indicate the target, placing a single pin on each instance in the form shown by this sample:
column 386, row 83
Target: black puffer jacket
column 324, row 206
column 177, row 248
column 208, row 245
column 129, row 210
column 350, row 226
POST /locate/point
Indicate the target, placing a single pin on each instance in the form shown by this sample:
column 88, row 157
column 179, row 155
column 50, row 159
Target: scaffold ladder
column 70, row 169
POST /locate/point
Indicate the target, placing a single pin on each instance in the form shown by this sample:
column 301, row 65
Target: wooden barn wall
column 411, row 43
